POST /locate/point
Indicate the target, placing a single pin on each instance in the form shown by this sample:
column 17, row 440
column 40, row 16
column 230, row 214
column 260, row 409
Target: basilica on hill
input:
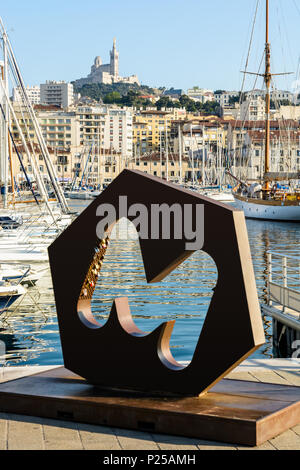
column 107, row 73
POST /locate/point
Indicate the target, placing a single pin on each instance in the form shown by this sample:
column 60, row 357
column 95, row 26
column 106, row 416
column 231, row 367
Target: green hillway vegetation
column 124, row 94
column 134, row 95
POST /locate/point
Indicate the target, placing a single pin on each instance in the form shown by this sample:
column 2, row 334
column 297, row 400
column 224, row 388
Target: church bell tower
column 114, row 60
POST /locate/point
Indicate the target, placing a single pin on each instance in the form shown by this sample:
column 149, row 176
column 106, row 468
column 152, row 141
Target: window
column 63, row 159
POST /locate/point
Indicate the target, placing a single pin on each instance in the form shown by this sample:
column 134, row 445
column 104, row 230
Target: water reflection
column 184, row 294
column 30, row 331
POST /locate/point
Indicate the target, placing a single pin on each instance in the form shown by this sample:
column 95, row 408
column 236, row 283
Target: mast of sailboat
column 167, row 150
column 6, row 123
column 180, row 153
column 267, row 78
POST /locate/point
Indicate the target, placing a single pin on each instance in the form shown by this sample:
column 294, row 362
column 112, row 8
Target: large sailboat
column 265, row 200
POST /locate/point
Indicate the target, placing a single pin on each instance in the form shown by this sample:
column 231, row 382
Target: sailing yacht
column 264, row 201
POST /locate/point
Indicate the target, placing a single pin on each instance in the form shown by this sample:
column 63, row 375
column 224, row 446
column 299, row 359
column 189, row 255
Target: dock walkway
column 31, row 433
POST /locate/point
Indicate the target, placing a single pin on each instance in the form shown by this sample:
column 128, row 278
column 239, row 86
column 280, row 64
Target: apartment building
column 168, row 166
column 118, row 132
column 275, row 95
column 33, row 93
column 197, row 134
column 201, row 95
column 61, row 134
column 21, row 162
column 253, row 109
column 57, row 94
column 110, row 128
column 152, row 129
column 246, row 144
column 223, row 97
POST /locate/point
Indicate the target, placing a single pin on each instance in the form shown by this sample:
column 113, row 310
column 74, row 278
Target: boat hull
column 278, row 211
column 8, row 295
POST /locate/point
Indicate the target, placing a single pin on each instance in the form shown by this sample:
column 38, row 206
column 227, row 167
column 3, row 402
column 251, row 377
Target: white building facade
column 33, row 93
column 253, row 109
column 275, row 95
column 201, row 95
column 110, row 128
column 223, row 98
column 57, row 94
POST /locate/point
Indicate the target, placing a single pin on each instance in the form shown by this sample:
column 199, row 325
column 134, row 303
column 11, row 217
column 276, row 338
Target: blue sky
column 165, row 42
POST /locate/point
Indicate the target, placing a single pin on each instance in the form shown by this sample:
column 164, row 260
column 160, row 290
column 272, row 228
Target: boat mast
column 167, row 150
column 6, row 110
column 180, row 153
column 267, row 78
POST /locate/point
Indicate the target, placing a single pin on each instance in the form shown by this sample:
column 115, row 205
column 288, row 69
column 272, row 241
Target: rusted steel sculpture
column 117, row 354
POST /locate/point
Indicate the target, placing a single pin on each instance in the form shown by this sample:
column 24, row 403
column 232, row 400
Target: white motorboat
column 221, row 196
column 23, row 274
column 25, row 256
column 9, row 294
column 85, row 195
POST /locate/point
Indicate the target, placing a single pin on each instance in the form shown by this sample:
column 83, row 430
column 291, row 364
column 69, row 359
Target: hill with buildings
column 116, row 92
column 141, row 96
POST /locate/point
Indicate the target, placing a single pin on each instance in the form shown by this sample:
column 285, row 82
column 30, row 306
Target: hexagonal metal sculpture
column 117, row 354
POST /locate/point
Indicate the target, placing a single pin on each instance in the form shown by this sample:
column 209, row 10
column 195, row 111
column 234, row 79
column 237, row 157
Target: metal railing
column 283, row 287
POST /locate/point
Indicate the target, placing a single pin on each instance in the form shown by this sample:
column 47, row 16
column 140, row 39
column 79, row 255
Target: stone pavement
column 30, row 433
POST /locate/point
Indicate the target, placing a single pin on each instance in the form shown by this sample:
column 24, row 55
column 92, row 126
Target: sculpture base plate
column 233, row 411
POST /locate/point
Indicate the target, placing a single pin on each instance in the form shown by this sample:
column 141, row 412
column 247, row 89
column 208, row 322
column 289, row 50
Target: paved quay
column 31, row 433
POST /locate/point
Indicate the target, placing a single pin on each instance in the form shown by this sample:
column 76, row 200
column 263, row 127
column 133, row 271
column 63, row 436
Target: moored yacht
column 267, row 201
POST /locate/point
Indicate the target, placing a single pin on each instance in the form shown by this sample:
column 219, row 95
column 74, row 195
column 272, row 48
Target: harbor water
column 29, row 329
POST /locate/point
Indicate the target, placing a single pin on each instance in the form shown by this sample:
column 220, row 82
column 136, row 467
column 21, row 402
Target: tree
column 98, row 91
column 211, row 107
column 164, row 102
column 188, row 103
column 234, row 99
column 276, row 104
column 113, row 97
